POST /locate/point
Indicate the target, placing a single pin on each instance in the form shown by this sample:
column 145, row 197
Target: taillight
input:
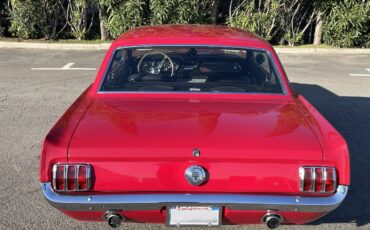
column 318, row 179
column 71, row 177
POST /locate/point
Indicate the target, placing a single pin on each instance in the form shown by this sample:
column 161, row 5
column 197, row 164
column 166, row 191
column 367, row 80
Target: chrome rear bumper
column 157, row 201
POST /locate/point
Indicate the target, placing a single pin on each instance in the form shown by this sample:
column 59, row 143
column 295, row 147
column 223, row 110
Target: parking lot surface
column 31, row 100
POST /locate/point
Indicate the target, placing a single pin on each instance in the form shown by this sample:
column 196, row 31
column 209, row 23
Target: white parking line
column 360, row 74
column 65, row 67
column 68, row 65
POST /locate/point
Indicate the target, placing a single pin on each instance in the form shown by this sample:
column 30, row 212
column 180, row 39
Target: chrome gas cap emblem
column 195, row 175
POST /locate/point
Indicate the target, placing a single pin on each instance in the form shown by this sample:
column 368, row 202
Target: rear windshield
column 191, row 69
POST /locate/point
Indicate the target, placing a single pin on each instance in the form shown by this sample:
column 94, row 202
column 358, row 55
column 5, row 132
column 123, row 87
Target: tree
column 1, row 30
column 77, row 18
column 3, row 14
column 26, row 18
column 180, row 11
column 347, row 24
column 215, row 11
column 34, row 19
column 103, row 19
column 318, row 28
column 297, row 17
column 124, row 15
column 321, row 7
column 51, row 13
column 258, row 16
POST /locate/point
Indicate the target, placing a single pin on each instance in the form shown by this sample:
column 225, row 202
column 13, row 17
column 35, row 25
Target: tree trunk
column 215, row 11
column 102, row 18
column 318, row 29
column 55, row 24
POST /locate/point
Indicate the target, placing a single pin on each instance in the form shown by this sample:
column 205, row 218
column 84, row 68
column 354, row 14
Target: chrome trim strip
column 301, row 179
column 65, row 177
column 55, row 168
column 157, row 201
column 313, row 179
column 323, row 179
column 88, row 177
column 77, row 170
column 334, row 179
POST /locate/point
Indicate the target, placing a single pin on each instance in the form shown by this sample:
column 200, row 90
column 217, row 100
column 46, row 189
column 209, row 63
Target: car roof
column 190, row 35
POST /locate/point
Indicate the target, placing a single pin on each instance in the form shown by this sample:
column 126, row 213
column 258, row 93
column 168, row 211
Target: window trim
column 275, row 68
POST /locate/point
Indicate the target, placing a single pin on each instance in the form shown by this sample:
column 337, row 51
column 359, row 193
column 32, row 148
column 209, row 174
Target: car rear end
column 255, row 170
column 169, row 143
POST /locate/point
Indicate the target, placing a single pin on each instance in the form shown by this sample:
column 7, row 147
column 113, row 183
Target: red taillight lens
column 71, row 177
column 307, row 179
column 59, row 175
column 318, row 179
column 331, row 180
column 82, row 178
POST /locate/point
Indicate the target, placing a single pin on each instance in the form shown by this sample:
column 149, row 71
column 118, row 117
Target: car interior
column 191, row 69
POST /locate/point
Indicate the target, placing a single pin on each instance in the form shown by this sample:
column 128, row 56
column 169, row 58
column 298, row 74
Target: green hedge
column 346, row 23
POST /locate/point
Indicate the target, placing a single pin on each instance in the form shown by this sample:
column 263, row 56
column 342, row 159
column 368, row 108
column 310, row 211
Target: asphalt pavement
column 37, row 86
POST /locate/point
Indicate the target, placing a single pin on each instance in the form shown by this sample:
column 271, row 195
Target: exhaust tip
column 272, row 221
column 114, row 219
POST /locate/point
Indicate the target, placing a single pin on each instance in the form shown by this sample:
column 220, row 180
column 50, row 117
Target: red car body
column 139, row 145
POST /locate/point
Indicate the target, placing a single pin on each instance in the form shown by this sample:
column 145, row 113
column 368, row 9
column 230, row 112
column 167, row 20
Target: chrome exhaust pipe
column 114, row 219
column 272, row 220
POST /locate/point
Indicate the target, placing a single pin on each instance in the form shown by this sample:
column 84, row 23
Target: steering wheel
column 156, row 66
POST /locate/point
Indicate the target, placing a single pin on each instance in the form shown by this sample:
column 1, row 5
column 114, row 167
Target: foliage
column 26, row 18
column 124, row 15
column 127, row 14
column 260, row 17
column 180, row 11
column 51, row 15
column 296, row 19
column 347, row 24
column 77, row 17
column 344, row 23
column 270, row 19
column 34, row 18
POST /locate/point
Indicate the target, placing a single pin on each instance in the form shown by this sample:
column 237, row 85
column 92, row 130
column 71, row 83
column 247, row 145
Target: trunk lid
column 246, row 146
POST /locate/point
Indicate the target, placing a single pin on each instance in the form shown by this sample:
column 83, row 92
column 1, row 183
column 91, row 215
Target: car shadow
column 351, row 117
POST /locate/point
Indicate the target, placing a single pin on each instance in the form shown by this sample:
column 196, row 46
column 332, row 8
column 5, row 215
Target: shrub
column 347, row 24
column 78, row 19
column 34, row 18
column 180, row 11
column 124, row 15
column 262, row 19
column 25, row 18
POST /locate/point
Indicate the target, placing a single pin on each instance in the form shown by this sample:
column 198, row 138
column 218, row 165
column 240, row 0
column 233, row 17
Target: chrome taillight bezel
column 66, row 167
column 324, row 170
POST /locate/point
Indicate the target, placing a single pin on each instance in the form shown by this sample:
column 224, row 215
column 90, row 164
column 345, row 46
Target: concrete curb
column 105, row 46
column 54, row 46
column 322, row 51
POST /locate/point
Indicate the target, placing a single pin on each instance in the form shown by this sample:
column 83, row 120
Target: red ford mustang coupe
column 192, row 125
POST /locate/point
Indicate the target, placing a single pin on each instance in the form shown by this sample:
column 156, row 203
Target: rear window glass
column 191, row 69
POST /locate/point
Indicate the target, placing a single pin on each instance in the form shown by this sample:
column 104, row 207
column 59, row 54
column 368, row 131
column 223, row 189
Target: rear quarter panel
column 335, row 150
column 56, row 143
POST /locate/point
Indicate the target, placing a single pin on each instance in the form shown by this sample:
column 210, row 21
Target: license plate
column 193, row 216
